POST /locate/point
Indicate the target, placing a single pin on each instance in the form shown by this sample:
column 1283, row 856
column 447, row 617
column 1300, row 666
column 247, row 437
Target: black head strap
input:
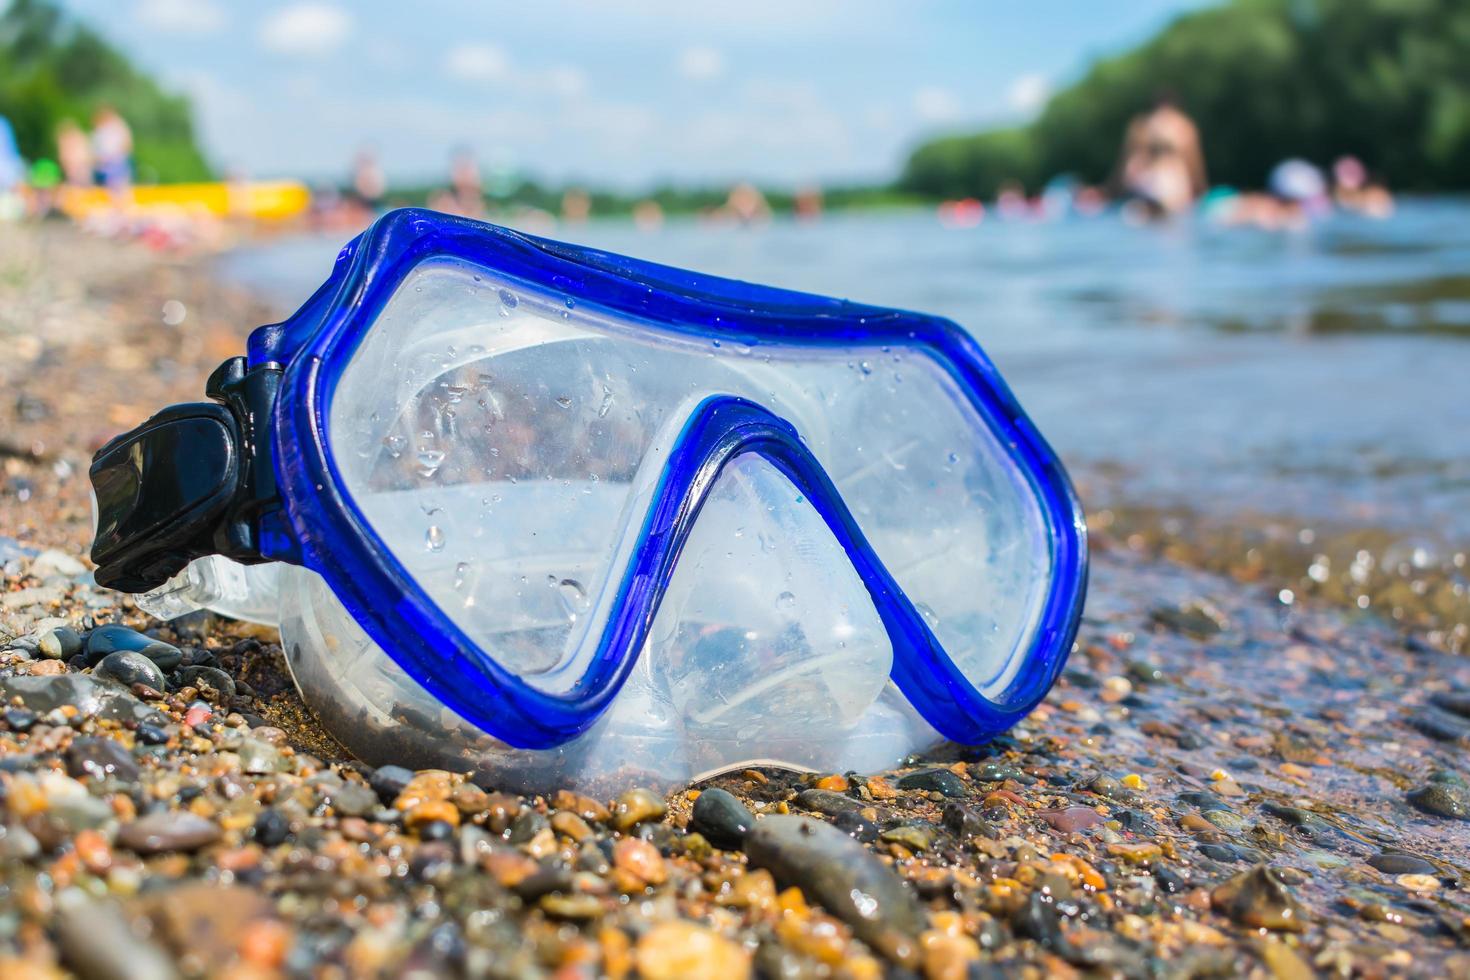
column 189, row 482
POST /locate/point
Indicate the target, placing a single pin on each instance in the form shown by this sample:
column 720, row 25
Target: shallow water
column 1319, row 375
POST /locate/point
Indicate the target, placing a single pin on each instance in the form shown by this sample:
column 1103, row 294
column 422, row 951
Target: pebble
column 100, row 758
column 258, row 757
column 1394, row 863
column 941, row 781
column 271, row 828
column 721, row 818
column 1442, row 800
column 105, row 640
column 1260, row 899
column 98, row 943
column 206, row 676
column 680, row 950
column 91, row 696
column 62, row 643
column 965, row 821
column 640, row 860
column 168, row 830
column 1071, row 819
column 912, row 836
column 128, row 668
column 845, row 877
column 637, row 806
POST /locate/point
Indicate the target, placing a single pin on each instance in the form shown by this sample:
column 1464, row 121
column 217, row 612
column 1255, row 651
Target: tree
column 52, row 68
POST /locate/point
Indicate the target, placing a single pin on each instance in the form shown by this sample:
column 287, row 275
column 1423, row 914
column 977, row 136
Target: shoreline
column 1204, row 730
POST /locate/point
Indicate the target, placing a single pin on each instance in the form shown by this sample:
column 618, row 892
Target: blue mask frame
column 320, row 527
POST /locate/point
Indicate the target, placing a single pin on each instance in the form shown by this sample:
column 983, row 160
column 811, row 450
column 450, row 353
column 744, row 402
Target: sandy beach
column 1225, row 781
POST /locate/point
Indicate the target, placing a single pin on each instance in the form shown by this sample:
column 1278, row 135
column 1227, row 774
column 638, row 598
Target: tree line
column 1385, row 80
column 53, row 68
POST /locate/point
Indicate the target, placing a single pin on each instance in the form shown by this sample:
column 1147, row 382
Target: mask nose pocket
column 766, row 637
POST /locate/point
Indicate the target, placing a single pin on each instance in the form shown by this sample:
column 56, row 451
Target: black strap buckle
column 191, row 481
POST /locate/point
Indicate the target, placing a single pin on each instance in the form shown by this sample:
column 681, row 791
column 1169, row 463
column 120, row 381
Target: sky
column 620, row 94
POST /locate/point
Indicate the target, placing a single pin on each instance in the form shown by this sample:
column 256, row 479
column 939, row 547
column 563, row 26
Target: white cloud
column 307, row 29
column 566, row 81
column 701, row 63
column 1028, row 93
column 182, row 16
column 476, row 62
column 937, row 105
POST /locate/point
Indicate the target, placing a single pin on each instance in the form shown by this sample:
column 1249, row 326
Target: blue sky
column 622, row 94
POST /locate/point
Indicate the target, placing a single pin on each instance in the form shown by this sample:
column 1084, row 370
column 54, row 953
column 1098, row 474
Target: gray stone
column 846, row 878
column 97, row 943
column 92, row 696
column 127, row 668
column 168, row 830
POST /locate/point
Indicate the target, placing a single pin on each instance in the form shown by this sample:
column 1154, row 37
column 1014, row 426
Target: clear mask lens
column 505, row 445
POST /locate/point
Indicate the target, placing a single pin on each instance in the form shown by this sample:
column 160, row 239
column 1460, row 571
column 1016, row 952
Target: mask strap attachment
column 193, row 480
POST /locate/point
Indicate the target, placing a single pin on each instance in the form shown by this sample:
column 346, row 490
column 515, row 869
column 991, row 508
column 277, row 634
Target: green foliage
column 1385, row 80
column 53, row 69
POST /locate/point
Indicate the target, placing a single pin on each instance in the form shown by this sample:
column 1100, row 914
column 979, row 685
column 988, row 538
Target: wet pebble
column 965, row 821
column 941, row 781
column 62, row 643
column 206, row 677
column 635, row 806
column 258, row 757
column 679, row 950
column 168, row 830
column 1260, row 899
column 271, row 827
column 846, row 878
column 1071, row 819
column 127, row 668
column 100, row 758
column 1442, row 800
column 106, row 640
column 721, row 818
column 1394, row 863
column 855, row 825
column 389, row 781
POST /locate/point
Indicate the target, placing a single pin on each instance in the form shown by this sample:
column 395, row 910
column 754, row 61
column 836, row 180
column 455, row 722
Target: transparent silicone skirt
column 620, row 549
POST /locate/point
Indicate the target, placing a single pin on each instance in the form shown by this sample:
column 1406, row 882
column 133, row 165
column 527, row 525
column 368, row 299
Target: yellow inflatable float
column 266, row 200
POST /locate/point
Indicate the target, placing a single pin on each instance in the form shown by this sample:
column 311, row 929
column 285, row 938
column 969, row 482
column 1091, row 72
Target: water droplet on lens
column 954, row 458
column 429, row 461
column 394, row 445
column 564, row 401
column 930, row 616
column 508, row 302
column 461, row 575
column 786, row 600
column 607, row 400
column 434, row 538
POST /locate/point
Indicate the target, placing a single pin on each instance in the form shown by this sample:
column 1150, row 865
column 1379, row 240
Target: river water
column 1319, row 376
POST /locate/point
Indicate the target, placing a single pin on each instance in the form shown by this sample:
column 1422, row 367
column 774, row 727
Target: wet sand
column 1240, row 772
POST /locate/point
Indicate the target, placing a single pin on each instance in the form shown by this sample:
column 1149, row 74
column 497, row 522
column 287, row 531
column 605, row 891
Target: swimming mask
column 561, row 517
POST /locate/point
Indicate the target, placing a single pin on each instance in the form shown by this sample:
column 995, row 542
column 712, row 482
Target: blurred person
column 465, row 188
column 1162, row 165
column 746, row 205
column 807, row 202
column 966, row 212
column 648, row 215
column 576, row 206
column 1352, row 190
column 12, row 174
column 369, row 184
column 74, row 153
column 112, row 149
column 1010, row 201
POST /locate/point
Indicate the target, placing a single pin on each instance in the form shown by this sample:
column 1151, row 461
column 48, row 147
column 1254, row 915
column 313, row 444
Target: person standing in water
column 1162, row 164
column 112, row 149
